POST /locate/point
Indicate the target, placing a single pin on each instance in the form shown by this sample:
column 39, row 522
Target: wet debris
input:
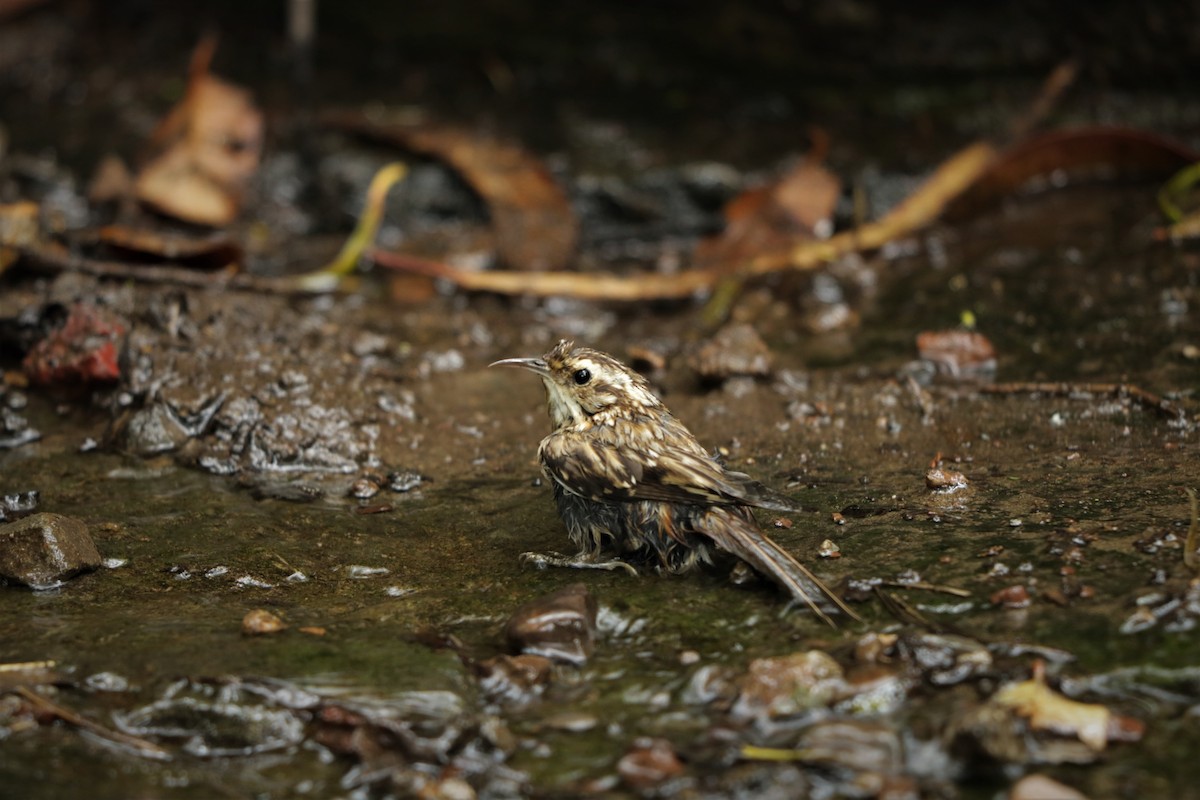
column 366, row 486
column 300, row 491
column 83, row 349
column 734, row 351
column 259, row 621
column 207, row 723
column 787, row 688
column 829, row 549
column 1176, row 611
column 941, row 479
column 44, row 550
column 18, row 504
column 534, row 225
column 868, row 753
column 1191, row 557
column 162, row 426
column 1016, row 596
column 210, row 145
column 15, row 429
column 648, row 764
column 404, row 480
column 1027, row 722
column 560, row 626
column 40, row 709
column 514, row 680
column 1042, row 787
column 958, row 354
column 29, row 673
column 944, row 659
column 420, row 744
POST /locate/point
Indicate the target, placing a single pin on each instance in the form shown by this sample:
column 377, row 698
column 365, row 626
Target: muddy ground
column 349, row 463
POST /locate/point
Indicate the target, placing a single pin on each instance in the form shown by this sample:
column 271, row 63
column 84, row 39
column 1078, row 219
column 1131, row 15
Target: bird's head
column 581, row 383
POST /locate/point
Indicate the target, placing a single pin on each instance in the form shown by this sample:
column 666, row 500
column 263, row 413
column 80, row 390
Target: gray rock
column 43, row 550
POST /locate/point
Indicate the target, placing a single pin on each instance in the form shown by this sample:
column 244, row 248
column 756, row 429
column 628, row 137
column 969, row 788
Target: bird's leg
column 582, row 560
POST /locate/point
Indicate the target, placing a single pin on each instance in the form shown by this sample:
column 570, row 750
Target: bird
column 630, row 478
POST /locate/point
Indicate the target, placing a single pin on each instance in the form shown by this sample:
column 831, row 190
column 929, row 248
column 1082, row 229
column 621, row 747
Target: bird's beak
column 532, row 364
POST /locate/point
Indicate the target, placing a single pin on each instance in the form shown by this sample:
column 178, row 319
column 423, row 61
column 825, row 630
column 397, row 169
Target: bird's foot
column 584, row 560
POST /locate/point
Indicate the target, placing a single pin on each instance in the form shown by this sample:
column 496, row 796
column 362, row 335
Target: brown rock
column 648, row 763
column 43, row 550
column 736, row 350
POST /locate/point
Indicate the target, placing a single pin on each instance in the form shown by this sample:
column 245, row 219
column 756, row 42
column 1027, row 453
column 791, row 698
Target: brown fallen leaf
column 18, row 228
column 1046, row 710
column 211, row 143
column 797, row 206
column 1073, row 155
column 219, row 249
column 535, row 227
column 919, row 209
column 112, row 181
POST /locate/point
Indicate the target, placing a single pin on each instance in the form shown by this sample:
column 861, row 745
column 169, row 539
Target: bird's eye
column 582, row 376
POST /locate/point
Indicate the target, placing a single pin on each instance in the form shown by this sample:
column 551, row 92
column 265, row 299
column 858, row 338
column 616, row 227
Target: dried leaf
column 1046, row 710
column 534, row 224
column 920, row 209
column 219, row 249
column 18, row 228
column 798, row 206
column 212, row 142
column 1074, row 154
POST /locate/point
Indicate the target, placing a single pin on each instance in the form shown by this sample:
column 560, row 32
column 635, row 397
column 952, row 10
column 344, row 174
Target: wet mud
column 310, row 514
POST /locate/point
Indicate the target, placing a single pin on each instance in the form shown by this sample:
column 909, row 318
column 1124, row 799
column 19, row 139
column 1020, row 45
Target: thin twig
column 927, row 587
column 907, row 613
column 921, row 208
column 1088, row 390
column 54, row 257
column 1190, row 557
column 142, row 746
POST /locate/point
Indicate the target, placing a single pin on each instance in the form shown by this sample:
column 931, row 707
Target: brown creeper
column 628, row 475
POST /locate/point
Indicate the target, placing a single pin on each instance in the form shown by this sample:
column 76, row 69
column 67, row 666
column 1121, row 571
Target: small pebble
column 260, row 621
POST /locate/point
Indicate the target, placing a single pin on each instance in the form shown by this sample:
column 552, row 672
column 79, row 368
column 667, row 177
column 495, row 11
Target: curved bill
column 532, row 364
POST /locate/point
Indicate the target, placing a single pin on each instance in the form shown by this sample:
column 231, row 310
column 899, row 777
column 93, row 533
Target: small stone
column 365, row 487
column 1041, row 787
column 571, row 722
column 784, row 686
column 736, row 350
column 1016, row 596
column 17, row 505
column 945, row 480
column 829, row 549
column 514, row 679
column 260, row 621
column 404, row 480
column 648, row 763
column 43, row 550
column 560, row 626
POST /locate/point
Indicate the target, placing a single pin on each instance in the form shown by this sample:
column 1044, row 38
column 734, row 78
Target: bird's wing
column 602, row 471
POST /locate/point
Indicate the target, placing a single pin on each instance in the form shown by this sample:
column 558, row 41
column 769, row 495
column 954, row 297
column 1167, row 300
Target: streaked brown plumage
column 629, row 475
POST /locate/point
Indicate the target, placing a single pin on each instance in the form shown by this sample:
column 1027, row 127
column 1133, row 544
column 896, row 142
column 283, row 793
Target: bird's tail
column 743, row 539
